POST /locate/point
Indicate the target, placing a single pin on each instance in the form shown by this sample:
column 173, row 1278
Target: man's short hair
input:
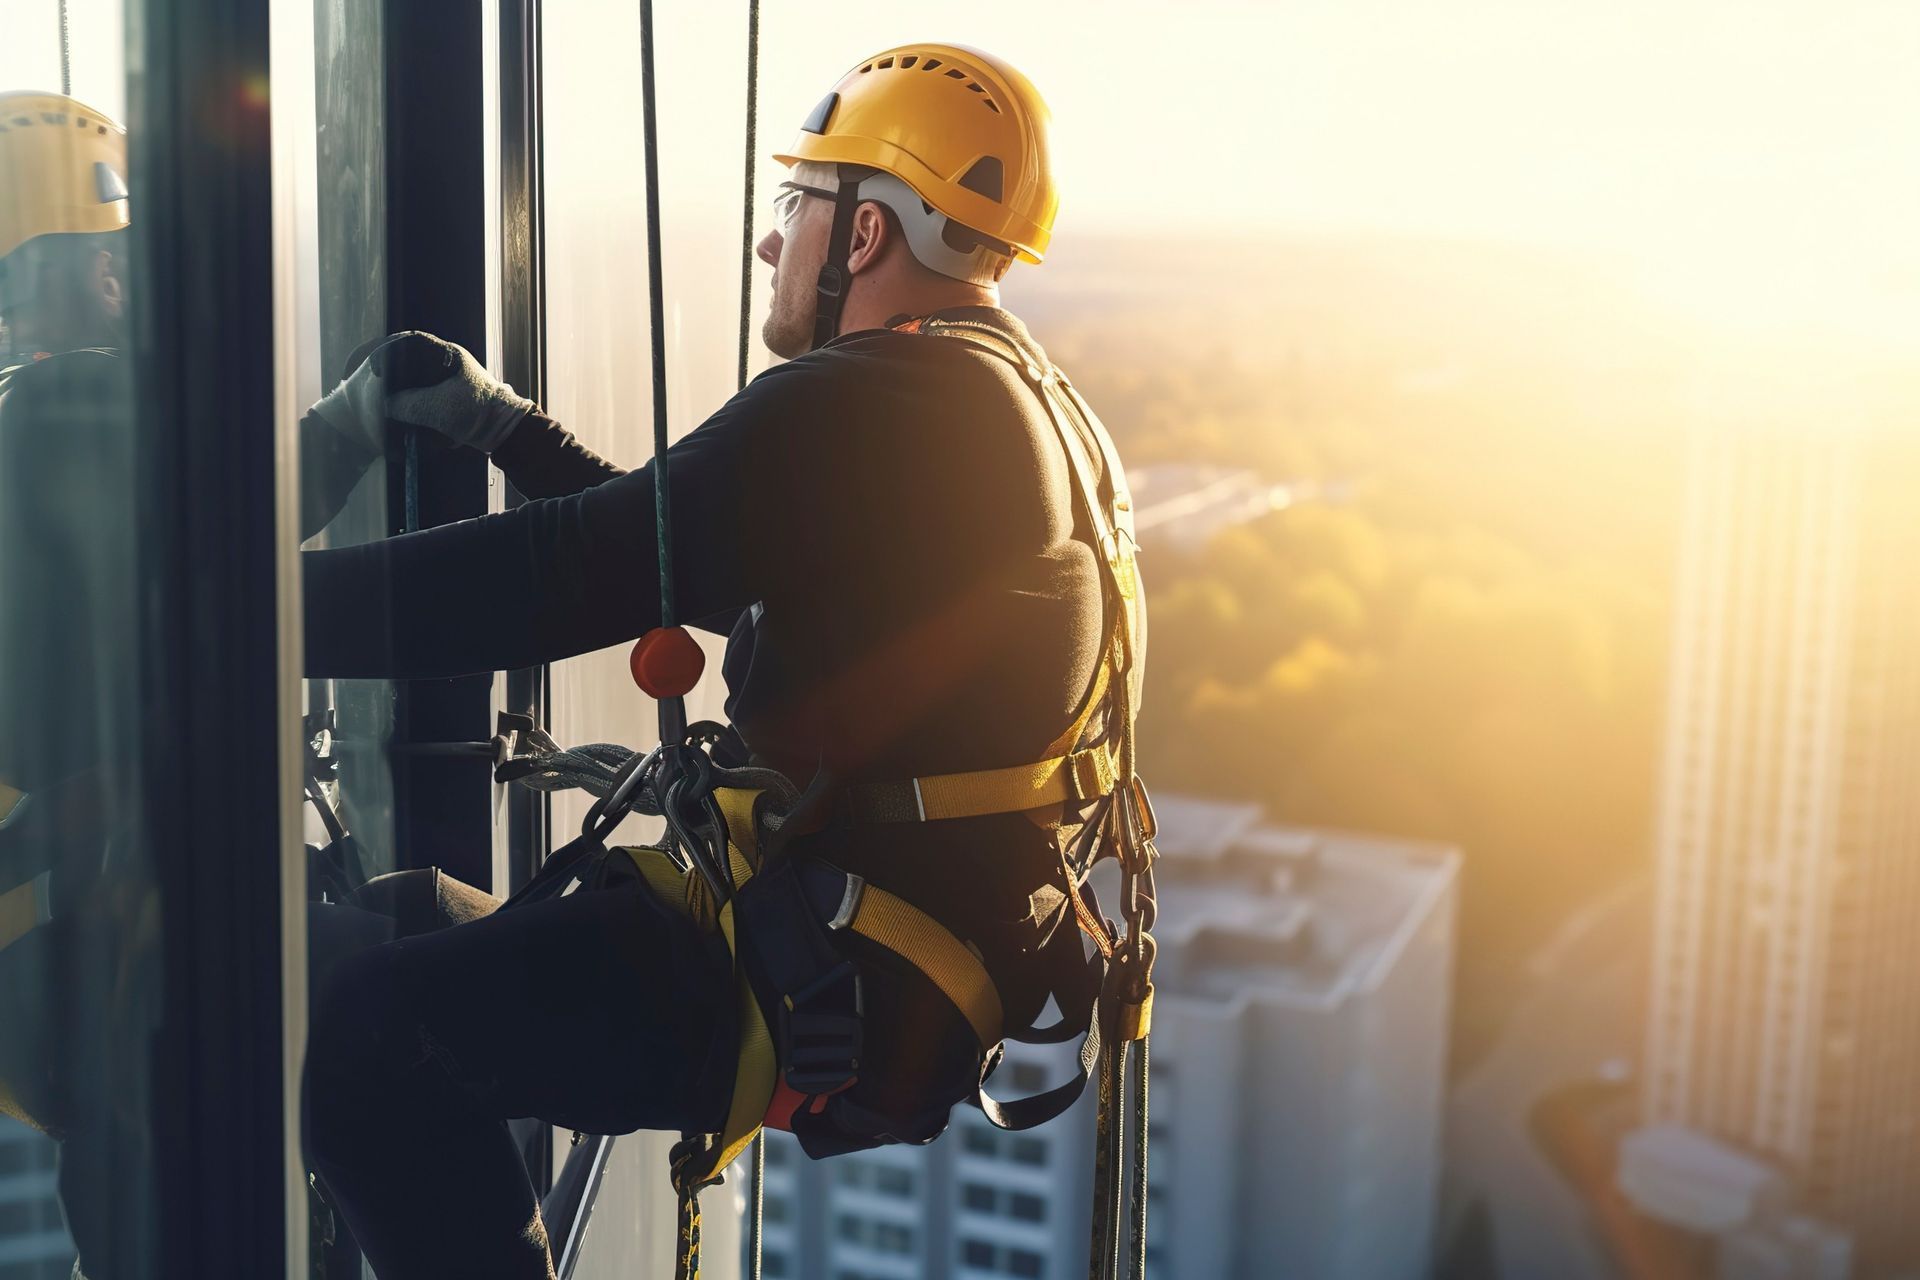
column 23, row 272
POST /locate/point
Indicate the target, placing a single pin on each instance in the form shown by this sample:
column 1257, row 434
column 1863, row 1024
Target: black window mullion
column 203, row 345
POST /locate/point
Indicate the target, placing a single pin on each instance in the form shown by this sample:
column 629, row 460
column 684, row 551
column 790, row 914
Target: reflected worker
column 77, row 909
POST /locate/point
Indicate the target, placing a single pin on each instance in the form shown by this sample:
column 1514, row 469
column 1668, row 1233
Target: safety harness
column 725, row 865
column 725, row 861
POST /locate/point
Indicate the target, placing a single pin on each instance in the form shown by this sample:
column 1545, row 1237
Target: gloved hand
column 419, row 380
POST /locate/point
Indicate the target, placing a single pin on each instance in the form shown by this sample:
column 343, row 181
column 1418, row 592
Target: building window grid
column 1004, row 1202
column 1013, row 1148
column 871, row 1175
column 878, row 1234
column 1001, row 1259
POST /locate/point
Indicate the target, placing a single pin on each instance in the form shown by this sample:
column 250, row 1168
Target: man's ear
column 109, row 283
column 870, row 235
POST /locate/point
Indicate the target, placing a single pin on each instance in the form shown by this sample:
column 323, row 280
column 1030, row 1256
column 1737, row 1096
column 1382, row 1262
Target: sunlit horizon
column 1735, row 158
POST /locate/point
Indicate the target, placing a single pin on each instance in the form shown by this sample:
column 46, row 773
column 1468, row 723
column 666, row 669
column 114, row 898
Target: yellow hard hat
column 63, row 169
column 965, row 130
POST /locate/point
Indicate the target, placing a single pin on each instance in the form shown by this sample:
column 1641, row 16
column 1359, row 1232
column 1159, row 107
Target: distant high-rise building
column 1786, row 1005
column 33, row 1235
column 1300, row 1031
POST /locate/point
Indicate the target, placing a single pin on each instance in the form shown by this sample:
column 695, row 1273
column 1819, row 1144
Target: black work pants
column 602, row 1011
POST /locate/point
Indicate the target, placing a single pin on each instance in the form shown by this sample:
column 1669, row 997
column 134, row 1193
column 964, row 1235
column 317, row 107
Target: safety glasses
column 787, row 203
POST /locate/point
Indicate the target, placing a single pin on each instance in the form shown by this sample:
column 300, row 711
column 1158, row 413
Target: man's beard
column 788, row 331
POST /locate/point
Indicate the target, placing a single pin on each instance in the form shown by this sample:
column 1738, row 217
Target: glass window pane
column 80, row 919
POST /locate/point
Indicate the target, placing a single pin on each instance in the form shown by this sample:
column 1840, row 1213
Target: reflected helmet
column 963, row 129
column 63, row 169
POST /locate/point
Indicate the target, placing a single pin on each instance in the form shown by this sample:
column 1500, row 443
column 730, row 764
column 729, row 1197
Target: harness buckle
column 820, row 1032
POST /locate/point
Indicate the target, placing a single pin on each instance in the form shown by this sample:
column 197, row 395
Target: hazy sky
column 1713, row 139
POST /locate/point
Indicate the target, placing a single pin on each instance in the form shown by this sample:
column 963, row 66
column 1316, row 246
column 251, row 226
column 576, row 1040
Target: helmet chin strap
column 830, row 290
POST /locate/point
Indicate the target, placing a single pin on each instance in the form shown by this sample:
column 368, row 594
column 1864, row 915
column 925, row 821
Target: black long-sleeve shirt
column 897, row 506
column 886, row 529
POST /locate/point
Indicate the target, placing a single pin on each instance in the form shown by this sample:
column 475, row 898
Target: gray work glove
column 416, row 379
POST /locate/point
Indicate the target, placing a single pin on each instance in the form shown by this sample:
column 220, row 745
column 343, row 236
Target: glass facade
column 182, row 812
column 82, row 921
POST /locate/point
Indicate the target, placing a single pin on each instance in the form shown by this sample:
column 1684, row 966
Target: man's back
column 68, row 600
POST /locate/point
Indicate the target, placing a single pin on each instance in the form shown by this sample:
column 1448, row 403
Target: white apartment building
column 1786, row 1006
column 1300, row 1031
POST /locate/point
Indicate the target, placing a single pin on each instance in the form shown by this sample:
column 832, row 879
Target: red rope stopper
column 667, row 662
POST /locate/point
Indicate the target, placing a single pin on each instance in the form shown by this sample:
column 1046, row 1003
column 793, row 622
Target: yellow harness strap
column 11, row 1106
column 930, row 947
column 882, row 917
column 19, row 912
column 1066, row 779
column 754, row 1068
column 1065, row 776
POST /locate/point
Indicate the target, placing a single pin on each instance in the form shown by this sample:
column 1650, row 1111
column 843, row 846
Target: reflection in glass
column 80, row 923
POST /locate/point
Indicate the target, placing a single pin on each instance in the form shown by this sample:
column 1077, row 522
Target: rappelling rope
column 757, row 1168
column 746, row 222
column 656, row 317
column 66, row 54
column 673, row 716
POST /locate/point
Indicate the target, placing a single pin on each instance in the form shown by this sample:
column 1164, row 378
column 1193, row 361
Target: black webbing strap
column 830, row 289
column 1031, row 1112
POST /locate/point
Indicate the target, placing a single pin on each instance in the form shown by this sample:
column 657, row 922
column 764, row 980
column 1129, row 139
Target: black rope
column 756, row 1204
column 746, row 224
column 757, row 1173
column 1109, row 1148
column 66, row 54
column 1137, row 1263
column 656, row 303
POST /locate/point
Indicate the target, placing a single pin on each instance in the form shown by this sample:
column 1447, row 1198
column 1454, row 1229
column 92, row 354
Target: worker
column 76, row 907
column 886, row 529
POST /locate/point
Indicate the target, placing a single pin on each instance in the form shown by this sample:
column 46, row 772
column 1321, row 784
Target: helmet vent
column 909, row 61
column 986, row 178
